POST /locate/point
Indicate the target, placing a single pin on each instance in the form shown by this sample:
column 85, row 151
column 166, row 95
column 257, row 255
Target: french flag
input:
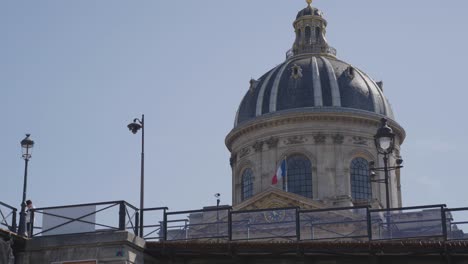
column 280, row 173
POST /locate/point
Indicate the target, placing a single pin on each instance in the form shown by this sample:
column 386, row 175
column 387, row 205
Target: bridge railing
column 347, row 223
column 456, row 222
column 273, row 224
column 8, row 216
column 331, row 224
column 408, row 222
column 206, row 224
column 153, row 226
column 85, row 218
column 264, row 224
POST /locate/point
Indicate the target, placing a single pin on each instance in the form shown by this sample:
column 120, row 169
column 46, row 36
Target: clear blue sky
column 75, row 73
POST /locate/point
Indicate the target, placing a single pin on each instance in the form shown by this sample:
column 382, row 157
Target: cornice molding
column 281, row 118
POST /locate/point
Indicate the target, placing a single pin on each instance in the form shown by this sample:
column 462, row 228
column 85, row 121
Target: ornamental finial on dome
column 309, row 2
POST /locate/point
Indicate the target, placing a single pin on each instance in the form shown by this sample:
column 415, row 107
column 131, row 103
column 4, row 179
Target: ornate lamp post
column 136, row 125
column 26, row 146
column 217, row 195
column 385, row 143
column 218, row 200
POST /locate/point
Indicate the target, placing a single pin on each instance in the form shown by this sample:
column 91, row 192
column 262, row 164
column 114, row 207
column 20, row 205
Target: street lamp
column 218, row 200
column 385, row 143
column 217, row 195
column 26, row 146
column 136, row 125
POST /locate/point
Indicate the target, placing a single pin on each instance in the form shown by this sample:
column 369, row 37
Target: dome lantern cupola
column 310, row 28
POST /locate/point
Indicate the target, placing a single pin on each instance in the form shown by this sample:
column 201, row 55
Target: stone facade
column 329, row 140
column 118, row 247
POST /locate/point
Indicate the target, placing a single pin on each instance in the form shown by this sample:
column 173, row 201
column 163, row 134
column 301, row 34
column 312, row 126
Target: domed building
column 315, row 116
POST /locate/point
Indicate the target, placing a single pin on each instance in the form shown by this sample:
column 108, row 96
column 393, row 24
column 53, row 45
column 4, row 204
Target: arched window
column 299, row 36
column 318, row 33
column 360, row 180
column 308, row 34
column 299, row 175
column 247, row 184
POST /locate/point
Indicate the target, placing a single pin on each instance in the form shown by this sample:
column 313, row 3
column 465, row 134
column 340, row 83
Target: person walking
column 29, row 218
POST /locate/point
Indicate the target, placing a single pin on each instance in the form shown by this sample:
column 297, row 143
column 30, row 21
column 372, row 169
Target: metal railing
column 86, row 218
column 456, row 221
column 408, row 222
column 312, row 49
column 205, row 224
column 8, row 215
column 347, row 223
column 431, row 222
column 154, row 231
column 264, row 224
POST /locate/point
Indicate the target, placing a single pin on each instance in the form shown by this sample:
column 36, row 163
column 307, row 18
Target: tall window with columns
column 299, row 175
column 247, row 184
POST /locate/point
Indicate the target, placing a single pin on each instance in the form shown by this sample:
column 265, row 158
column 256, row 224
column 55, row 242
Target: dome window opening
column 296, row 72
column 253, row 85
column 350, row 72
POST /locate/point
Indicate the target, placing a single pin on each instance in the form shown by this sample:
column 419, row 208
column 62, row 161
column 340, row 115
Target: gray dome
column 314, row 82
column 312, row 79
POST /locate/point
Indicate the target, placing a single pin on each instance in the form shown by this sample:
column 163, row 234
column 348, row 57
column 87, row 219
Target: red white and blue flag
column 280, row 173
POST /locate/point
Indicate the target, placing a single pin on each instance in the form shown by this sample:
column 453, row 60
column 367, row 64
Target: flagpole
column 286, row 173
column 276, row 168
column 285, row 185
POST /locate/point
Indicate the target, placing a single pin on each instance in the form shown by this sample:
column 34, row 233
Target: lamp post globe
column 385, row 138
column 134, row 126
column 26, row 145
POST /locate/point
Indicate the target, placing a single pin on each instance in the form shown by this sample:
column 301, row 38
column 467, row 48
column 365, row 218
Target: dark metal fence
column 277, row 223
column 456, row 223
column 408, row 222
column 8, row 217
column 154, row 230
column 349, row 223
column 205, row 224
column 434, row 222
column 86, row 218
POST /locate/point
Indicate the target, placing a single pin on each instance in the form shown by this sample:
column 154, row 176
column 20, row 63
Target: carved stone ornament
column 295, row 140
column 233, row 159
column 296, row 72
column 253, row 85
column 272, row 142
column 320, row 139
column 258, row 146
column 244, row 152
column 350, row 72
column 338, row 139
column 360, row 141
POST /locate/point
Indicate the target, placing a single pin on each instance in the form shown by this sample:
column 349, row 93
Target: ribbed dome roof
column 314, row 82
column 312, row 79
